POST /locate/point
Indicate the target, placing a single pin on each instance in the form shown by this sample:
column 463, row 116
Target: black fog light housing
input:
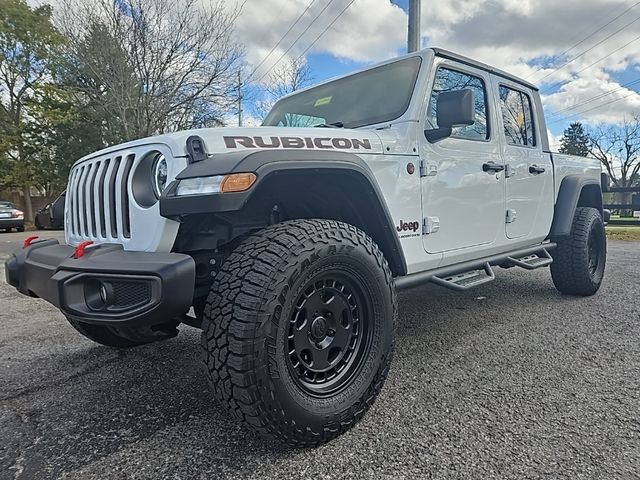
column 98, row 294
column 104, row 294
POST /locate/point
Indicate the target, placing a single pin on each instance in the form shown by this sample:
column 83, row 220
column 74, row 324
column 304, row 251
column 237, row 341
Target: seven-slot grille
column 98, row 198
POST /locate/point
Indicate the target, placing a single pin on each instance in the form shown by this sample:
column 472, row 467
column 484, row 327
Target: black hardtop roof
column 474, row 63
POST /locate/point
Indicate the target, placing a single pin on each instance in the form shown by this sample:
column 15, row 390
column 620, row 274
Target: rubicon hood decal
column 226, row 139
column 338, row 143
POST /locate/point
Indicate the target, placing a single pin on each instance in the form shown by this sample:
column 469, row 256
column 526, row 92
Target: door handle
column 492, row 167
column 535, row 170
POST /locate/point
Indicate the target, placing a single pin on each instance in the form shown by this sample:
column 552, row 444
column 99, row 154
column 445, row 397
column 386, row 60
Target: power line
column 255, row 69
column 557, row 69
column 325, row 30
column 586, row 38
column 548, row 89
column 591, row 109
column 296, row 40
column 597, row 97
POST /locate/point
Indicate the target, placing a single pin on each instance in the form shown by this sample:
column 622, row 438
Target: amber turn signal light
column 237, row 182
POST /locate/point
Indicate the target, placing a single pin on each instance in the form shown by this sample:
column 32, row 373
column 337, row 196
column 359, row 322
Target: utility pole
column 413, row 37
column 239, row 100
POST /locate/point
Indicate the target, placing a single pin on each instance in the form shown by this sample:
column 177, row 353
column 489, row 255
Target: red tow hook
column 80, row 248
column 29, row 240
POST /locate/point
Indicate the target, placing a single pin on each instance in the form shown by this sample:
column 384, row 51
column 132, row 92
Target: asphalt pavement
column 509, row 381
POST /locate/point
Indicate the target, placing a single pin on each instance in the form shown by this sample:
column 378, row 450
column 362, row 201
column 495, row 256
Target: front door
column 463, row 186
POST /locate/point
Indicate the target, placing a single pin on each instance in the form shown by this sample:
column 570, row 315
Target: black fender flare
column 571, row 189
column 265, row 163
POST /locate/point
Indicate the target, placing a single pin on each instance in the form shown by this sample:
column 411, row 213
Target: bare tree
column 283, row 80
column 618, row 149
column 154, row 65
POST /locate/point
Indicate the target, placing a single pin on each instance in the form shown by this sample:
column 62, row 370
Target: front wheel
column 298, row 330
column 579, row 259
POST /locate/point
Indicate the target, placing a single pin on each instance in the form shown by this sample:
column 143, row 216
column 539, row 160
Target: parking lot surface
column 511, row 380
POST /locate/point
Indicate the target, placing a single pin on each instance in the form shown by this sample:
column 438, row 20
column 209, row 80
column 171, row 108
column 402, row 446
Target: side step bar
column 466, row 280
column 472, row 273
column 533, row 261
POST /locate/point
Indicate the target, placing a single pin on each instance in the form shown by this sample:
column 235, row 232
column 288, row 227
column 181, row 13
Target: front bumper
column 106, row 286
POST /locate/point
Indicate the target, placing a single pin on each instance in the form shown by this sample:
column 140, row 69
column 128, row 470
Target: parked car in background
column 52, row 215
column 10, row 217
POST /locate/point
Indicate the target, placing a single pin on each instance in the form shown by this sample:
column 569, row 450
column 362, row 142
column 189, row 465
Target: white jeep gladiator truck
column 290, row 240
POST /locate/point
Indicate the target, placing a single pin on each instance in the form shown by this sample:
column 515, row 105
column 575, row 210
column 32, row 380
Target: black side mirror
column 454, row 109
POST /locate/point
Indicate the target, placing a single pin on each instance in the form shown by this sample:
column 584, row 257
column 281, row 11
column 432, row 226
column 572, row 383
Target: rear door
column 463, row 186
column 529, row 171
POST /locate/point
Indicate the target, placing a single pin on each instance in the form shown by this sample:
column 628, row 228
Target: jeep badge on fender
column 411, row 226
column 282, row 238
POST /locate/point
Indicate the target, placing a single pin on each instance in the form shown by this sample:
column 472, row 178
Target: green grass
column 627, row 234
column 619, row 217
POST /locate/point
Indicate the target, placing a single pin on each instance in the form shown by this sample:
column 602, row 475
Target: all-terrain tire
column 259, row 315
column 102, row 335
column 579, row 259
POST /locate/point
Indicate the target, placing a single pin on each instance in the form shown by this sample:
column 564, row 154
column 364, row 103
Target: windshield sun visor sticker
column 323, row 101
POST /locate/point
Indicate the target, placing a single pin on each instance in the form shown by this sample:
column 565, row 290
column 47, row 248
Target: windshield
column 6, row 205
column 378, row 95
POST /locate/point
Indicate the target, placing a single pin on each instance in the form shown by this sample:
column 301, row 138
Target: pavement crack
column 57, row 383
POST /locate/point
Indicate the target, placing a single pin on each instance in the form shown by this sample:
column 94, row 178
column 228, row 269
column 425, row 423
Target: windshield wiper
column 330, row 125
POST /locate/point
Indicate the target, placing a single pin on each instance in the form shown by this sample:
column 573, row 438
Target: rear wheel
column 20, row 229
column 579, row 259
column 298, row 329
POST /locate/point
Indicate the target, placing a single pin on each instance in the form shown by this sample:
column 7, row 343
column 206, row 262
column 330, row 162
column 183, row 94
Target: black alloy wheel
column 328, row 335
column 596, row 248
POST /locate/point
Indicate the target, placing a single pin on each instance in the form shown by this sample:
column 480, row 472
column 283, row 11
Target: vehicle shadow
column 96, row 403
column 97, row 406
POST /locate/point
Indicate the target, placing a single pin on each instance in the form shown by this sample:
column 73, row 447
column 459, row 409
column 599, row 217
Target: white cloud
column 519, row 35
column 524, row 37
column 368, row 30
column 554, row 141
column 592, row 98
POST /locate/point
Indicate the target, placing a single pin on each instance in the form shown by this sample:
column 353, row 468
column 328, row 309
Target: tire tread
column 569, row 269
column 233, row 321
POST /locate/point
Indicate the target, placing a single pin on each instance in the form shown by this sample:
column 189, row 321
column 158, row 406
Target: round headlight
column 159, row 174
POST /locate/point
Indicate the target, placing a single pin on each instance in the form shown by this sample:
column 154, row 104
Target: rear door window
column 517, row 117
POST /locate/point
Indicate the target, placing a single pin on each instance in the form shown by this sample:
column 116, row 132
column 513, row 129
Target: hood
column 231, row 139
